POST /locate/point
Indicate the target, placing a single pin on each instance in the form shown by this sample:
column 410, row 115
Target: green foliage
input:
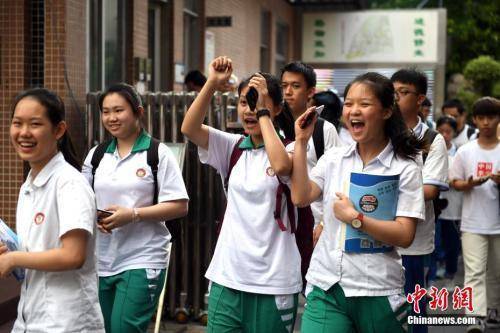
column 483, row 72
column 468, row 97
column 495, row 91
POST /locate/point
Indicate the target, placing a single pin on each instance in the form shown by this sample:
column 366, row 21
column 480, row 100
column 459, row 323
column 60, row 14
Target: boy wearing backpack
column 411, row 86
column 465, row 133
column 298, row 82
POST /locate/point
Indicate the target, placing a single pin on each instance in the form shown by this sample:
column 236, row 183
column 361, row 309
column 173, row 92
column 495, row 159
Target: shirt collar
column 385, row 156
column 142, row 143
column 47, row 171
column 247, row 142
column 420, row 129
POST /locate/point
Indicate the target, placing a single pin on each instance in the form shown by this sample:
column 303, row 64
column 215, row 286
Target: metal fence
column 186, row 296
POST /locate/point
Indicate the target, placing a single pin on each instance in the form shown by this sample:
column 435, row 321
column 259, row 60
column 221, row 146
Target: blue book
column 10, row 239
column 375, row 196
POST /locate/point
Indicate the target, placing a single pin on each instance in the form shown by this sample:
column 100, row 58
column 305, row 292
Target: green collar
column 247, row 142
column 142, row 143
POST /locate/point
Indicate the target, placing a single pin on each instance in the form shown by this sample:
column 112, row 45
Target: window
column 265, row 41
column 281, row 56
column 36, row 52
column 192, row 35
column 158, row 45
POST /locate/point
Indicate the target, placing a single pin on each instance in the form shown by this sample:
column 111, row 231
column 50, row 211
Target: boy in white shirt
column 465, row 133
column 476, row 172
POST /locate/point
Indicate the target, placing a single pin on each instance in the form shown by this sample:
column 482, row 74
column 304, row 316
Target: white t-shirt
column 252, row 253
column 480, row 212
column 361, row 274
column 434, row 172
column 454, row 209
column 129, row 182
column 58, row 200
column 331, row 139
column 462, row 138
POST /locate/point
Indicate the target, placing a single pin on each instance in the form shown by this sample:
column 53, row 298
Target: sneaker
column 492, row 320
column 440, row 272
column 476, row 328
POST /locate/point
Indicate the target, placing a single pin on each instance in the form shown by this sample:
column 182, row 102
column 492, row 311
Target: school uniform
column 57, row 201
column 255, row 270
column 358, row 290
column 462, row 138
column 132, row 259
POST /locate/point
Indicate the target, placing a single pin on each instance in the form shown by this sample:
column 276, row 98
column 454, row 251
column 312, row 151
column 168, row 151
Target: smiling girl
column 55, row 223
column 360, row 292
column 132, row 245
column 255, row 270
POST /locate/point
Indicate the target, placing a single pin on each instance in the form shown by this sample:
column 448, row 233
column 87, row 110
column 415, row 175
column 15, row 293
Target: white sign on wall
column 404, row 36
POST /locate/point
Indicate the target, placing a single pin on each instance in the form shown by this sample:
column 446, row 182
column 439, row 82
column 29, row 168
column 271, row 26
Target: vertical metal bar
column 162, row 102
column 223, row 110
column 149, row 98
column 90, row 121
column 173, row 124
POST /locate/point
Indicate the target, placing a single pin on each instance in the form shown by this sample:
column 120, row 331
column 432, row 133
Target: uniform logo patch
column 140, row 172
column 270, row 172
column 39, row 218
column 368, row 203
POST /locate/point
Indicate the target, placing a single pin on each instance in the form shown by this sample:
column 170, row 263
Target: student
column 132, row 245
column 332, row 106
column 55, row 223
column 465, row 133
column 448, row 223
column 255, row 270
column 298, row 82
column 360, row 291
column 476, row 172
column 411, row 86
column 425, row 111
column 194, row 81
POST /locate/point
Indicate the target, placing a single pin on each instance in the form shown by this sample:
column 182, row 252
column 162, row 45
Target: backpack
column 303, row 230
column 153, row 160
column 438, row 203
column 470, row 131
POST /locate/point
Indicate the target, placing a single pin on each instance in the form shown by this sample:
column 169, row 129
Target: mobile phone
column 252, row 96
column 104, row 213
column 308, row 120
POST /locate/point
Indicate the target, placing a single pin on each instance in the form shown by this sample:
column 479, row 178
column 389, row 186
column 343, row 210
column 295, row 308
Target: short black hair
column 301, row 68
column 126, row 91
column 332, row 103
column 447, row 120
column 411, row 76
column 454, row 103
column 486, row 106
column 196, row 77
column 427, row 102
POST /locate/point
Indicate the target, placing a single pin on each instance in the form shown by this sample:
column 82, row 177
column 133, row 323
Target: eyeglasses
column 403, row 92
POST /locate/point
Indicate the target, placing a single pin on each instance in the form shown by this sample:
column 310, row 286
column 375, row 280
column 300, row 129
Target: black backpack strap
column 235, row 156
column 470, row 131
column 429, row 137
column 319, row 138
column 283, row 189
column 153, row 161
column 97, row 157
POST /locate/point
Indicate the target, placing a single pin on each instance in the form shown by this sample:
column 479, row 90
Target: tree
column 483, row 72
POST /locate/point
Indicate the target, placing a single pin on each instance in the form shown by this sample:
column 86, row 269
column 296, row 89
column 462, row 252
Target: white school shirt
column 252, row 253
column 462, row 138
column 454, row 209
column 345, row 136
column 361, row 274
column 434, row 172
column 58, row 200
column 331, row 139
column 480, row 211
column 129, row 182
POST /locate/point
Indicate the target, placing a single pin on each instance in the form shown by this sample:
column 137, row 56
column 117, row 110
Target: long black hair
column 404, row 142
column 284, row 120
column 126, row 91
column 56, row 113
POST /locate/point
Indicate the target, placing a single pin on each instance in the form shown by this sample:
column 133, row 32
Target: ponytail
column 67, row 148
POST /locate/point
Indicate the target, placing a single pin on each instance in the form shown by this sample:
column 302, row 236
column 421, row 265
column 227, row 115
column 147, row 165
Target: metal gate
column 186, row 293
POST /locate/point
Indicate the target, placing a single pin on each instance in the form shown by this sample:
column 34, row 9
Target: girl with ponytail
column 55, row 222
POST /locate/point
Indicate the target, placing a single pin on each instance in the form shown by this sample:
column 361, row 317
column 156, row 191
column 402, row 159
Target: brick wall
column 241, row 41
column 12, row 80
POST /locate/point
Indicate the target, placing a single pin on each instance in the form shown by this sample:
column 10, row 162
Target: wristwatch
column 357, row 222
column 263, row 112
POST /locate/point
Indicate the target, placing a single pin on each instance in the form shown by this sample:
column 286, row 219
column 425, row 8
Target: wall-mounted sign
column 219, row 21
column 404, row 36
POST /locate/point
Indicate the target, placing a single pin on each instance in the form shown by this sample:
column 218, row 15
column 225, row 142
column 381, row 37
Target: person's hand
column 344, row 209
column 316, row 233
column 495, row 177
column 219, row 72
column 473, row 182
column 6, row 264
column 121, row 216
column 303, row 134
column 3, row 248
column 259, row 83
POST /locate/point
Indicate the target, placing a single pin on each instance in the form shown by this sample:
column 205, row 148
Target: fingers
column 222, row 64
column 102, row 229
column 3, row 248
column 340, row 195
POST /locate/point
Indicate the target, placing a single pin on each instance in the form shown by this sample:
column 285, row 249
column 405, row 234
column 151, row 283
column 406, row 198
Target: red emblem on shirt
column 484, row 169
column 39, row 218
column 140, row 172
column 270, row 172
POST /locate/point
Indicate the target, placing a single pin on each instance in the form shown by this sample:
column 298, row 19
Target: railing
column 186, row 295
